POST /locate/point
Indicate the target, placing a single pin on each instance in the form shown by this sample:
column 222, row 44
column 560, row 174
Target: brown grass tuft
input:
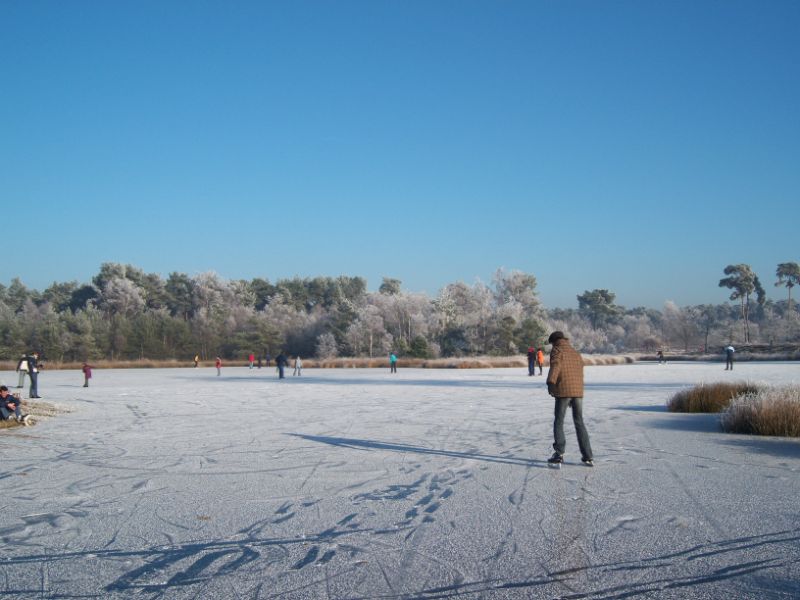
column 769, row 411
column 708, row 397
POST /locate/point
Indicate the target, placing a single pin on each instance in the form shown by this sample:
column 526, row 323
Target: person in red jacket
column 531, row 361
column 87, row 373
column 218, row 364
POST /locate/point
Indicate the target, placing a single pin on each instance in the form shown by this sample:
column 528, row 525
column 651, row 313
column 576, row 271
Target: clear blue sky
column 631, row 145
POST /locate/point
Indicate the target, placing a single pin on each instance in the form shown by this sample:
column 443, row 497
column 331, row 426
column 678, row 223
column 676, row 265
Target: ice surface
column 361, row 484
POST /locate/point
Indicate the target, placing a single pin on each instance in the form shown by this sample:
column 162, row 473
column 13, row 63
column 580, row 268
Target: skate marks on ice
column 261, row 567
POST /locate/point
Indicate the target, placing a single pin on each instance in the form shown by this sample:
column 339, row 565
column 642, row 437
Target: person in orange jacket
column 540, row 359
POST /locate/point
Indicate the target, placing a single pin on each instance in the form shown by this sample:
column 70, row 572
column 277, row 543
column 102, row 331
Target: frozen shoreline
column 352, row 483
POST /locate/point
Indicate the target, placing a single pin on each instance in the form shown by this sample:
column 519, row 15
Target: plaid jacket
column 565, row 377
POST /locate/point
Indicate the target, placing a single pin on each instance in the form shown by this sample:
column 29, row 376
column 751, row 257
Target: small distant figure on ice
column 729, row 350
column 251, row 359
column 196, row 360
column 531, row 361
column 282, row 362
column 392, row 363
column 87, row 373
column 268, row 359
column 10, row 407
column 22, row 369
column 540, row 359
column 218, row 364
column 565, row 384
column 298, row 366
column 259, row 361
column 660, row 357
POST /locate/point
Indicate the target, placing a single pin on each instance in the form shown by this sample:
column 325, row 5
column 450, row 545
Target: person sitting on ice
column 9, row 406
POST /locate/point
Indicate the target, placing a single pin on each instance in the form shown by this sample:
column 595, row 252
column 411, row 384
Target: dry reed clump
column 606, row 359
column 708, row 397
column 769, row 411
column 471, row 362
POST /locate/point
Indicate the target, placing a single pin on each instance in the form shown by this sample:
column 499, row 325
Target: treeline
column 125, row 314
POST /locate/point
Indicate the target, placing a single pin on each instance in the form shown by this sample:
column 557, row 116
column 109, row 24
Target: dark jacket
column 9, row 400
column 565, row 377
column 281, row 360
column 33, row 367
column 23, row 363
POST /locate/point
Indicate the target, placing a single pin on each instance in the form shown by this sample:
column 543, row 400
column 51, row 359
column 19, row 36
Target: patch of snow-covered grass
column 767, row 411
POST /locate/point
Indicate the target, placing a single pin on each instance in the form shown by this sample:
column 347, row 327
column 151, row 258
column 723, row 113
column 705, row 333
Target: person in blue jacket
column 33, row 373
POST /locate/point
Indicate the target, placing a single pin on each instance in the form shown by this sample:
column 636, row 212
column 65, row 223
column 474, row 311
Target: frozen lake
column 361, row 484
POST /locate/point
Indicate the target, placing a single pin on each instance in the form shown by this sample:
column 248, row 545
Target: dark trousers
column 34, row 391
column 729, row 363
column 393, row 367
column 531, row 367
column 7, row 412
column 280, row 371
column 577, row 417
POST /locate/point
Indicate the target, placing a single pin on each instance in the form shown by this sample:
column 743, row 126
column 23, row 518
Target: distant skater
column 218, row 364
column 87, row 373
column 565, row 384
column 660, row 357
column 531, row 361
column 392, row 363
column 540, row 359
column 259, row 361
column 729, row 350
column 196, row 360
column 252, row 359
column 281, row 362
column 298, row 366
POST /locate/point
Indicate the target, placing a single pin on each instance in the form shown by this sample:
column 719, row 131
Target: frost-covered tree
column 17, row 294
column 367, row 334
column 680, row 324
column 121, row 297
column 390, row 286
column 519, row 288
column 326, row 346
